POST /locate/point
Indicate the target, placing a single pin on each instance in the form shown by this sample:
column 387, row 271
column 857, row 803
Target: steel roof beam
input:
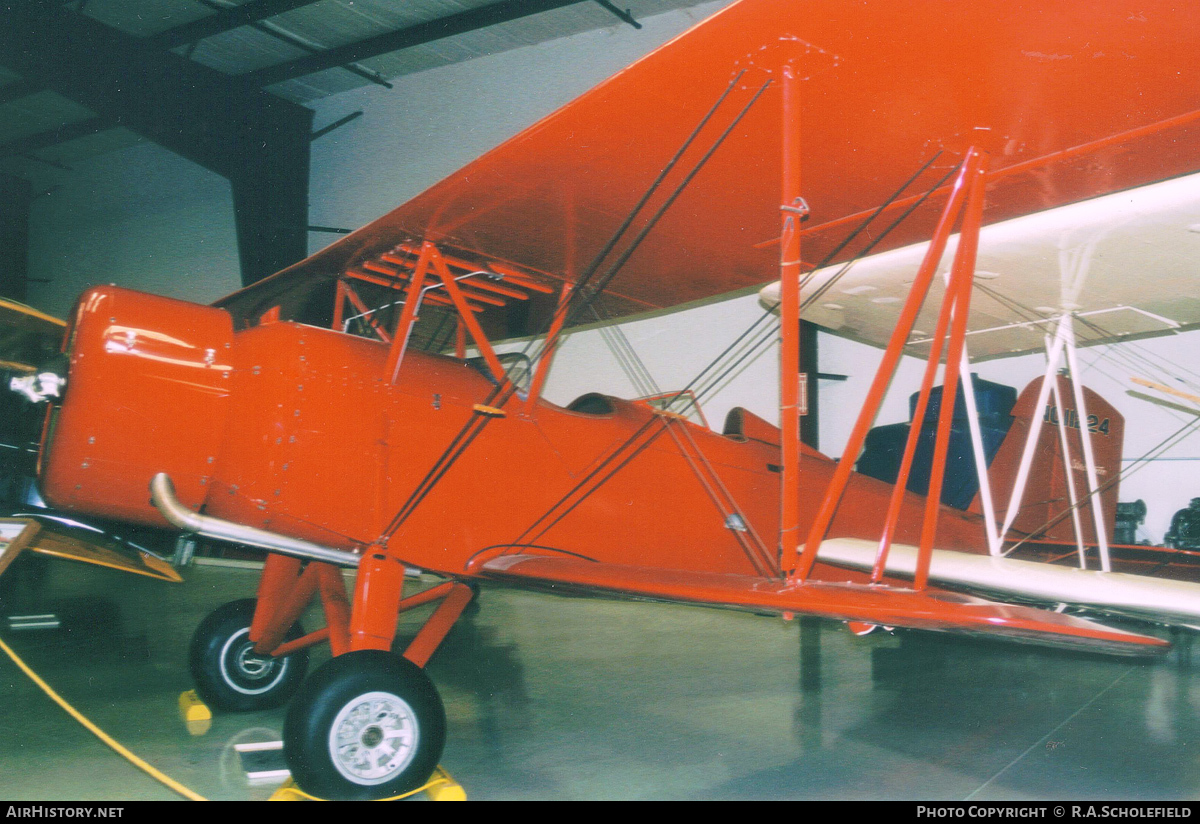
column 193, row 110
column 223, row 21
column 18, row 89
column 55, row 136
column 622, row 14
column 406, row 38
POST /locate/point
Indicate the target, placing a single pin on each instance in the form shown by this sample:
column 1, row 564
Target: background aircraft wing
column 1145, row 597
column 87, row 546
column 27, row 337
column 1124, row 263
column 43, row 535
column 930, row 609
column 1071, row 104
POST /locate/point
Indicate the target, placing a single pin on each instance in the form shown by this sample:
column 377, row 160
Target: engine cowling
column 147, row 391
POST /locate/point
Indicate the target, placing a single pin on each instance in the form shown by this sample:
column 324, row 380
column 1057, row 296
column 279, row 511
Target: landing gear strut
column 367, row 724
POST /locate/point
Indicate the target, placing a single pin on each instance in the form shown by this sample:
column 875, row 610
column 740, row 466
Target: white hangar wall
column 147, row 219
column 140, row 217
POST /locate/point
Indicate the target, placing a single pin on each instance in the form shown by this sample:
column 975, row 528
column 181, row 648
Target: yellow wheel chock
column 197, row 717
column 440, row 787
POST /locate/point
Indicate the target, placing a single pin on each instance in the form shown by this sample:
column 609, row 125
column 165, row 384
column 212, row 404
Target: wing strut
column 506, row 389
column 966, row 199
column 792, row 211
column 706, row 379
column 1063, row 345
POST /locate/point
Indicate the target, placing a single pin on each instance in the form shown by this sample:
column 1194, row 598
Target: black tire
column 359, row 698
column 227, row 674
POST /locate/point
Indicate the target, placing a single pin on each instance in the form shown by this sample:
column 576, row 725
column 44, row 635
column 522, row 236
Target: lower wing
column 1144, row 597
column 929, row 609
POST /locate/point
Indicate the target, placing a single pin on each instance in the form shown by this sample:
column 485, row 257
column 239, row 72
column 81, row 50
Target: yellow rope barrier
column 99, row 733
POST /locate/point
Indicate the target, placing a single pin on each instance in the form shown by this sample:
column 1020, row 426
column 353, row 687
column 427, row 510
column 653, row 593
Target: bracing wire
column 501, row 394
column 631, row 445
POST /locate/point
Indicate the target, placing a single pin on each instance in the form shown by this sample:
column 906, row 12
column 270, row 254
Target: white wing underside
column 1116, row 593
column 1127, row 264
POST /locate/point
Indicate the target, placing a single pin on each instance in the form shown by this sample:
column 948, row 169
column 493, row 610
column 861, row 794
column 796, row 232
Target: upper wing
column 929, row 609
column 1071, row 103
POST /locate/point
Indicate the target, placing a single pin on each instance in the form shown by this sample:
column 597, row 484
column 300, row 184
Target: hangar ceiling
column 296, row 50
column 223, row 83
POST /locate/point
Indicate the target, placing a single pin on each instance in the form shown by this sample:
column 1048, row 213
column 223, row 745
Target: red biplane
column 310, row 414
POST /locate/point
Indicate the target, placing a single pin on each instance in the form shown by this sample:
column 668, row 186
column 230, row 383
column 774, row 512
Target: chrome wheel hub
column 374, row 738
column 246, row 671
column 252, row 665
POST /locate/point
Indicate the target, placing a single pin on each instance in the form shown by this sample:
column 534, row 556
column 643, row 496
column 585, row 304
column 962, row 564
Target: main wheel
column 227, row 672
column 366, row 725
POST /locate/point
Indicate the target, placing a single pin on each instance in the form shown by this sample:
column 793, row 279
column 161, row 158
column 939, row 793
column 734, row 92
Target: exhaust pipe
column 162, row 494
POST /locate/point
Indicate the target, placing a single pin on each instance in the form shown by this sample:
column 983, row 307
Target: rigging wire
column 631, row 443
column 751, row 543
column 612, row 242
column 759, row 338
column 1130, row 355
column 825, row 287
column 1138, row 358
column 623, row 258
column 763, row 340
column 502, row 393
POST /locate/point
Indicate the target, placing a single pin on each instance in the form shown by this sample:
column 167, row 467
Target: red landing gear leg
column 370, row 724
column 252, row 654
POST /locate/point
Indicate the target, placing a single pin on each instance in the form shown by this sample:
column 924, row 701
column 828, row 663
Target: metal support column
column 256, row 140
column 270, row 205
column 810, row 430
column 16, row 195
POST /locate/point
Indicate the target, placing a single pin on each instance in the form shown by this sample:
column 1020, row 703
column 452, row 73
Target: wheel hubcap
column 245, row 670
column 251, row 665
column 374, row 738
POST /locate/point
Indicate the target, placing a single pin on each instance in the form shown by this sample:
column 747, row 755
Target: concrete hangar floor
column 559, row 698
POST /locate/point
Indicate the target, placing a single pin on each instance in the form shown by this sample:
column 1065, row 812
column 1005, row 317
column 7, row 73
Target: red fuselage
column 293, row 429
